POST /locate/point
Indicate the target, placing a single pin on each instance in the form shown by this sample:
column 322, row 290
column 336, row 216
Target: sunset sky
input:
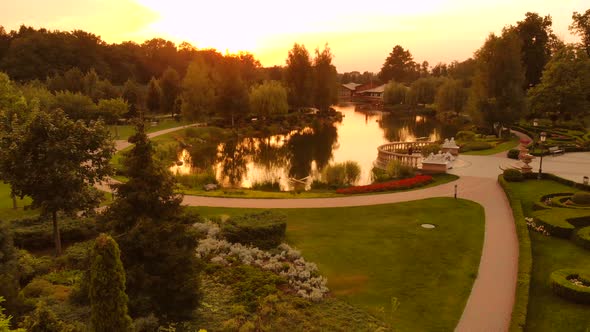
column 360, row 33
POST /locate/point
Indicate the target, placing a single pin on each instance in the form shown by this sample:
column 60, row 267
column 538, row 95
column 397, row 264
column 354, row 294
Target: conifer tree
column 157, row 243
column 107, row 288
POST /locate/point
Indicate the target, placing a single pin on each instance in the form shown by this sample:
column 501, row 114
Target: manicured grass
column 504, row 146
column 546, row 311
column 6, row 209
column 379, row 258
column 125, row 131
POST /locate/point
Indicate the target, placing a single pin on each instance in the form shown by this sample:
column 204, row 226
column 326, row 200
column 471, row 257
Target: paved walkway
column 490, row 303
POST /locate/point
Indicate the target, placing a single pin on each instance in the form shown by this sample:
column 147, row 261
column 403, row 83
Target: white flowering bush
column 530, row 222
column 285, row 261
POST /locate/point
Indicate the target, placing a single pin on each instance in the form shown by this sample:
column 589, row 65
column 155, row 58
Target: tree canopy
column 399, row 66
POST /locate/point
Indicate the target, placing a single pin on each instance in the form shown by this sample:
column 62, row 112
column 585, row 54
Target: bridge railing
column 399, row 151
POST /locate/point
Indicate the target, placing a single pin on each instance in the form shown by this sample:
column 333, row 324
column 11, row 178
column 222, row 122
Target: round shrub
column 465, row 135
column 583, row 237
column 513, row 175
column 581, row 198
column 513, row 154
column 264, row 230
column 562, row 283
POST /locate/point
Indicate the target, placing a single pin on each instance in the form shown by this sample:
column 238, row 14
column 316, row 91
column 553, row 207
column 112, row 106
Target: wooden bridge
column 399, row 151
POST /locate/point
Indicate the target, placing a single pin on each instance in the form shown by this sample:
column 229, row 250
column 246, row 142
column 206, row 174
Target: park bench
column 555, row 150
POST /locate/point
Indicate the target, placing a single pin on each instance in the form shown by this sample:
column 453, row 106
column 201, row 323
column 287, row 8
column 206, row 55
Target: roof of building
column 378, row 89
column 351, row 86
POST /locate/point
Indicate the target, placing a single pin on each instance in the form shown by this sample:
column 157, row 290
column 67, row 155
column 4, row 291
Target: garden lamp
column 542, row 137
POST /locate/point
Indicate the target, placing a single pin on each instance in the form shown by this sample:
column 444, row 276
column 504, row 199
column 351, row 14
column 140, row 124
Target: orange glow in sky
column 360, row 34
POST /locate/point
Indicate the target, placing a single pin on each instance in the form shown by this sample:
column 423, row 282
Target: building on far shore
column 375, row 94
column 347, row 90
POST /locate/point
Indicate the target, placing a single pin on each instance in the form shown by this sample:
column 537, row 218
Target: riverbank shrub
column 264, row 230
column 512, row 175
column 342, row 174
column 416, row 181
column 397, row 170
column 572, row 284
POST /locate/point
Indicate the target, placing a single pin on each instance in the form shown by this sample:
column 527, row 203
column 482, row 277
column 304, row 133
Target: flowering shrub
column 287, row 262
column 525, row 141
column 530, row 222
column 416, row 181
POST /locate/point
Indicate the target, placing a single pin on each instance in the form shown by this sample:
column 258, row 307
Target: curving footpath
column 489, row 306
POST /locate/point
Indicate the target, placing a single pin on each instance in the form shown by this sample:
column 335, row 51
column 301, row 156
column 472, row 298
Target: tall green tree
column 451, row 96
column 325, row 79
column 535, row 34
column 299, row 76
column 108, row 300
column 198, row 91
column 154, row 96
column 268, row 98
column 55, row 161
column 399, row 66
column 394, row 93
column 76, row 105
column 232, row 94
column 112, row 109
column 425, row 89
column 497, row 96
column 565, row 86
column 170, row 87
column 133, row 95
column 157, row 242
column 581, row 27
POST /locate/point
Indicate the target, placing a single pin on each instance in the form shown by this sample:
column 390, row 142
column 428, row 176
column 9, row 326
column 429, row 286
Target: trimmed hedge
column 583, row 237
column 475, row 146
column 581, row 198
column 513, row 154
column 37, row 233
column 562, row 286
column 513, row 175
column 264, row 230
column 525, row 261
column 561, row 222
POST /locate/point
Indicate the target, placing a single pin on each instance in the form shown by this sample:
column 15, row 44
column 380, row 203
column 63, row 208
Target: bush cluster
column 397, row 170
column 465, row 135
column 512, row 175
column 572, row 285
column 342, row 174
column 475, row 146
column 264, row 230
column 37, row 233
column 513, row 154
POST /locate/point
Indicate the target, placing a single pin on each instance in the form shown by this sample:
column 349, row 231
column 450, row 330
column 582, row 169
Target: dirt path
column 489, row 306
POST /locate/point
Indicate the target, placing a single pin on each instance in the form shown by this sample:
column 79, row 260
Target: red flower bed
column 416, row 181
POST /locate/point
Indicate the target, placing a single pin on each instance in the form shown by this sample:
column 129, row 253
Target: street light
column 542, row 137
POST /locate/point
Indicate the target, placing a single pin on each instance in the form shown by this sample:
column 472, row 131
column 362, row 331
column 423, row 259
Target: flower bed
column 417, row 181
column 572, row 284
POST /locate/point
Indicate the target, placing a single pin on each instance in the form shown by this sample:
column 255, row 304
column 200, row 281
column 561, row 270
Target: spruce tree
column 157, row 243
column 108, row 300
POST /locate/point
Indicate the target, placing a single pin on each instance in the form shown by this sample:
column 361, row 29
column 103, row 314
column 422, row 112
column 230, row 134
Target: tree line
column 526, row 70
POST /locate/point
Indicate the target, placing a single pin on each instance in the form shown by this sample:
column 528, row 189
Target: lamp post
column 542, row 138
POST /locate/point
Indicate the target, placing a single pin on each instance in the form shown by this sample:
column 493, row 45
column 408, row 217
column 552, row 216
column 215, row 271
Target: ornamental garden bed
column 572, row 284
column 416, row 181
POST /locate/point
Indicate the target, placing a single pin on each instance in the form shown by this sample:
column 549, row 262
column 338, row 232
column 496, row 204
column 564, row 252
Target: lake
column 296, row 159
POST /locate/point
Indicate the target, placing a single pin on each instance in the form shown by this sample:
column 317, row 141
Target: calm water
column 302, row 154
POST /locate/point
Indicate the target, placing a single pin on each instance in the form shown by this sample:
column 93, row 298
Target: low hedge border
column 559, row 201
column 563, row 287
column 525, row 261
column 558, row 222
column 582, row 237
column 264, row 230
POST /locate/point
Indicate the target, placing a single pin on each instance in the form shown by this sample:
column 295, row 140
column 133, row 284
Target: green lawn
column 546, row 311
column 379, row 258
column 505, row 146
column 6, row 208
column 123, row 132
